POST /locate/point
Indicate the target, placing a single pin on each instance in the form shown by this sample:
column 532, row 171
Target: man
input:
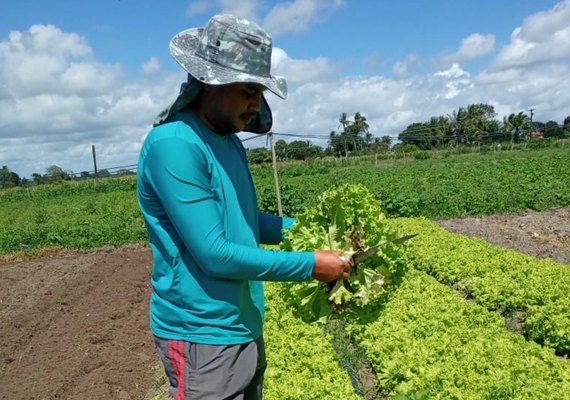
column 199, row 205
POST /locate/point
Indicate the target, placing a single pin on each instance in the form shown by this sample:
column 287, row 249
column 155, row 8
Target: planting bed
column 74, row 325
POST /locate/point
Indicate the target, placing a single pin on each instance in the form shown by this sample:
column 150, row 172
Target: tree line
column 475, row 124
column 53, row 174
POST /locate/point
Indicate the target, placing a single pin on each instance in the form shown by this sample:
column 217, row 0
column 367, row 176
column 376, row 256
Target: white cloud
column 152, row 66
column 42, row 59
column 57, row 98
column 455, row 81
column 475, row 45
column 53, row 114
column 402, row 68
column 298, row 16
column 543, row 87
column 543, row 37
column 198, row 7
column 390, row 104
column 472, row 47
column 243, row 8
column 301, row 71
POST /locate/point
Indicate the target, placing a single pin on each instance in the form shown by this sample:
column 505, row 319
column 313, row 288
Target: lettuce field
column 443, row 316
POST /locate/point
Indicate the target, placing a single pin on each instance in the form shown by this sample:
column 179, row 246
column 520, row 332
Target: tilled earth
column 543, row 234
column 75, row 325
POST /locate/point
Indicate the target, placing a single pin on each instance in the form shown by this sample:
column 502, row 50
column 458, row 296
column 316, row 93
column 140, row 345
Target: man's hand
column 329, row 266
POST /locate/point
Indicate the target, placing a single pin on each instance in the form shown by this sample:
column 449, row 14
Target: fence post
column 95, row 164
column 275, row 177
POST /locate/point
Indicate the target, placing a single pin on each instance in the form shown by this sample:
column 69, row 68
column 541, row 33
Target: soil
column 540, row 234
column 75, row 325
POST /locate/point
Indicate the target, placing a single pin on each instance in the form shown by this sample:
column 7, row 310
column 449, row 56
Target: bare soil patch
column 75, row 325
column 543, row 234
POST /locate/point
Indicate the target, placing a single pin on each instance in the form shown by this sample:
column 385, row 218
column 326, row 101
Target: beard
column 228, row 124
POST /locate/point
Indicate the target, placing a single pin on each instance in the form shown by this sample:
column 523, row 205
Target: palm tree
column 360, row 130
column 516, row 125
column 343, row 121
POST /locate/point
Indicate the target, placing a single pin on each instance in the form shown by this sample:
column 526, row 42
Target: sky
column 95, row 73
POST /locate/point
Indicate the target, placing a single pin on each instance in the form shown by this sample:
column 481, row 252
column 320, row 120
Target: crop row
column 301, row 361
column 80, row 221
column 85, row 214
column 461, row 185
column 534, row 291
column 430, row 343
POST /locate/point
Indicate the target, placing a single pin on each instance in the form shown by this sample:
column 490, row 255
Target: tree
column 281, row 150
column 360, row 129
column 56, row 174
column 418, row 134
column 515, row 125
column 299, row 150
column 8, row 178
column 381, row 145
column 259, row 155
column 440, row 129
column 553, row 130
column 343, row 121
column 566, row 126
column 103, row 173
column 473, row 124
column 38, row 179
column 355, row 135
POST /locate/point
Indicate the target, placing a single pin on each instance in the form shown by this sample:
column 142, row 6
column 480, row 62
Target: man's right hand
column 329, row 266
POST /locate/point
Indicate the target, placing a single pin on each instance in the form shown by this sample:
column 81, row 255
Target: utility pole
column 531, row 114
column 95, row 164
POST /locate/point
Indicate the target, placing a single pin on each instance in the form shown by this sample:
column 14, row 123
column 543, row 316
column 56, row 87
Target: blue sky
column 73, row 74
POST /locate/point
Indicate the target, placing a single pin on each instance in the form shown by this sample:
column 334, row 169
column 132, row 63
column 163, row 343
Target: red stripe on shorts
column 175, row 355
column 181, row 381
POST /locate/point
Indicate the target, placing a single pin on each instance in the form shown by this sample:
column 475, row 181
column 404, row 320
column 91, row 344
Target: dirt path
column 75, row 326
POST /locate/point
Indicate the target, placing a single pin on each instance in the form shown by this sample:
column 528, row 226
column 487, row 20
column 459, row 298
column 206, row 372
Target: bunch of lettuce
column 346, row 219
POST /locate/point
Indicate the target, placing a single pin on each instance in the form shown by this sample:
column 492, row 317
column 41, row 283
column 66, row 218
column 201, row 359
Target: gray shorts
column 206, row 372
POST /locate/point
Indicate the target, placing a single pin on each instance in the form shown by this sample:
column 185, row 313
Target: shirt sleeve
column 271, row 227
column 178, row 170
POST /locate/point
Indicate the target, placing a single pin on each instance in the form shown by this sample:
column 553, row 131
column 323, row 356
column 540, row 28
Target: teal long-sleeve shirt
column 200, row 209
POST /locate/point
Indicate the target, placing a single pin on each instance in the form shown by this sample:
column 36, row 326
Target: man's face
column 229, row 108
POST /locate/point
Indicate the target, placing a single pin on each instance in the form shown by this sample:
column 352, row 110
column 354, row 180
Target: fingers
column 346, row 270
column 330, row 266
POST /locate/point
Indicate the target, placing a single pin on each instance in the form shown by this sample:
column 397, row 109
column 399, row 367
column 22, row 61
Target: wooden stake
column 95, row 164
column 275, row 177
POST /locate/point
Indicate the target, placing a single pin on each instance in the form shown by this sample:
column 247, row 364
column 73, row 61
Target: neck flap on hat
column 190, row 90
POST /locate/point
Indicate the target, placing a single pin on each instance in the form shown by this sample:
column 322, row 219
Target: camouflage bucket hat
column 227, row 50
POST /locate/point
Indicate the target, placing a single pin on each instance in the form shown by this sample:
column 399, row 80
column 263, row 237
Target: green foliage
column 464, row 184
column 8, row 178
column 346, row 219
column 301, row 363
column 550, row 324
column 428, row 343
column 259, row 155
column 291, row 201
column 73, row 215
column 498, row 279
column 355, row 135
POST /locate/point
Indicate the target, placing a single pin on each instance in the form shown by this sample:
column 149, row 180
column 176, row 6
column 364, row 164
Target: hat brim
column 183, row 48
